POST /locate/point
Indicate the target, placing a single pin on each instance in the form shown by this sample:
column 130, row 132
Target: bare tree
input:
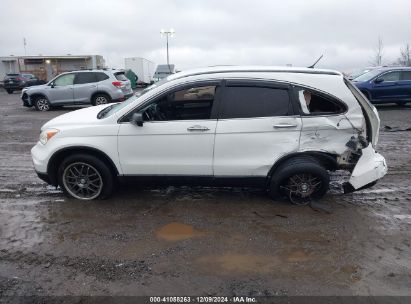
column 378, row 52
column 405, row 55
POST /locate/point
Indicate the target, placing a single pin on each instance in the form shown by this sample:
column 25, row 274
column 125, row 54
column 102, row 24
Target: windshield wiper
column 104, row 112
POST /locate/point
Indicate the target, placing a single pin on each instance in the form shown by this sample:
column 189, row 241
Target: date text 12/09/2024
column 204, row 299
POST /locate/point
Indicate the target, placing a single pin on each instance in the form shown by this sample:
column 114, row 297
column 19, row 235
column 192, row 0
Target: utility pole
column 169, row 33
column 24, row 44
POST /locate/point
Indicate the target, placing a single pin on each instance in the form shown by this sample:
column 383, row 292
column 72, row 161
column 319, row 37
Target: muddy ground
column 200, row 241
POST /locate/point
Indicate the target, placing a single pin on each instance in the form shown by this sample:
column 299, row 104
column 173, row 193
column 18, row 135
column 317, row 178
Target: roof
column 251, row 69
column 385, row 68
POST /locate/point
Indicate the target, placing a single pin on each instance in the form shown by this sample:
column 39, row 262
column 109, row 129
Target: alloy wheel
column 82, row 181
column 300, row 187
column 101, row 100
column 42, row 104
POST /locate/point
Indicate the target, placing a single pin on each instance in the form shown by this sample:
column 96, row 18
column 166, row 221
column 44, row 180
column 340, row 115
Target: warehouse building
column 46, row 67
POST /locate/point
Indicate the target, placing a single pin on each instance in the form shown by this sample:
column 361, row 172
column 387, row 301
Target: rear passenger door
column 256, row 126
column 85, row 84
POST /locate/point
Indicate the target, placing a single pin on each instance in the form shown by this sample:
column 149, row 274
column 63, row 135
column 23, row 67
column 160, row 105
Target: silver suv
column 79, row 87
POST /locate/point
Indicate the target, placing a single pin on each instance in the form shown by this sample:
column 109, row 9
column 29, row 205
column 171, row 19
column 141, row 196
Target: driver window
column 391, row 76
column 64, row 80
column 189, row 104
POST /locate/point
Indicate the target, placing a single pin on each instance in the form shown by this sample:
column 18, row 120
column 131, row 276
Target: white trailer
column 142, row 67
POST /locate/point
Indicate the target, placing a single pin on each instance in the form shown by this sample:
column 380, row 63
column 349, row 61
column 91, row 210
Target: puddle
column 177, row 232
column 244, row 263
column 20, row 229
column 298, row 256
column 250, row 263
column 403, row 217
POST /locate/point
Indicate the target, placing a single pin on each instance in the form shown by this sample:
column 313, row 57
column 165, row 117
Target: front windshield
column 106, row 112
column 367, row 76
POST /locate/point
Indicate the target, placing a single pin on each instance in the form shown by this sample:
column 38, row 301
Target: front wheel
column 9, row 91
column 85, row 177
column 300, row 179
column 42, row 104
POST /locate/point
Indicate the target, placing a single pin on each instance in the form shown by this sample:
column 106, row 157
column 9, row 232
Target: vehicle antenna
column 312, row 66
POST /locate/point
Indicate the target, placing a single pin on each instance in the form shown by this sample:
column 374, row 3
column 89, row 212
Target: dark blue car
column 388, row 84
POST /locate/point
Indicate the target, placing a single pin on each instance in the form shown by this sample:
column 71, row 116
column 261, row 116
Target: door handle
column 197, row 128
column 279, row 126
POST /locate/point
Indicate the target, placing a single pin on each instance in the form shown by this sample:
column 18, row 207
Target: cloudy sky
column 210, row 32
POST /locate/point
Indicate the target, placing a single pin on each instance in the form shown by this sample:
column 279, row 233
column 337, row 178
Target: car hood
column 84, row 116
column 35, row 87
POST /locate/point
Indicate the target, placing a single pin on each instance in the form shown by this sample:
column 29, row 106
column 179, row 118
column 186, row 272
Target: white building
column 46, row 67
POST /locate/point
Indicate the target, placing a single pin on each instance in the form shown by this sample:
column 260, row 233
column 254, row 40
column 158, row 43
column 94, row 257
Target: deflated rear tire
column 85, row 177
column 300, row 179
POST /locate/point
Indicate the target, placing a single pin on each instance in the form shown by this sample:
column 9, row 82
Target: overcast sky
column 212, row 32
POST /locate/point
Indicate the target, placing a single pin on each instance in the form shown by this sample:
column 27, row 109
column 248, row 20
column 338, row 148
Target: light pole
column 168, row 33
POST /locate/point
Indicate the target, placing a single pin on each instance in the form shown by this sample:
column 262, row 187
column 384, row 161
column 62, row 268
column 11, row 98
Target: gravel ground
column 200, row 241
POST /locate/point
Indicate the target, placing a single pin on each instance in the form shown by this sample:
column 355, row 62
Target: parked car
column 360, row 72
column 16, row 81
column 386, row 85
column 282, row 129
column 79, row 87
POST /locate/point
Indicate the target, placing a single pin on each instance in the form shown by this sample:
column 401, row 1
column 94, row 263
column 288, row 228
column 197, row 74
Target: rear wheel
column 42, row 104
column 300, row 179
column 85, row 177
column 100, row 99
column 401, row 103
column 9, row 91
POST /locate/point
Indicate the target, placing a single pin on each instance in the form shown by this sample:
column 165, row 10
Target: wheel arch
column 36, row 95
column 327, row 160
column 59, row 156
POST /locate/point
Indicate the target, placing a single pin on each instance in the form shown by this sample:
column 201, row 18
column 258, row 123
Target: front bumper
column 369, row 169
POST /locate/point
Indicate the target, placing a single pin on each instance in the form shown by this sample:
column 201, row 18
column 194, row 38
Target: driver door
column 177, row 136
column 61, row 91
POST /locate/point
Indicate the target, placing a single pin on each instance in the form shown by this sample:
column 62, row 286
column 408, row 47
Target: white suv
column 282, row 129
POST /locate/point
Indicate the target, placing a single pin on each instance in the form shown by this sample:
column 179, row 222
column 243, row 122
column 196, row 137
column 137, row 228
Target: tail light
column 118, row 84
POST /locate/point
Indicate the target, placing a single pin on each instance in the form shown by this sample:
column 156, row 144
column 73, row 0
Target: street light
column 168, row 33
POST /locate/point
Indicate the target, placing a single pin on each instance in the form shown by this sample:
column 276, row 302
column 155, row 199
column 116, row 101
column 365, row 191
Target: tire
column 300, row 179
column 42, row 104
column 100, row 99
column 9, row 91
column 85, row 177
column 401, row 103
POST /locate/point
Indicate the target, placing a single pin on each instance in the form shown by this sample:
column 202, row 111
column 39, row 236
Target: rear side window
column 121, row 76
column 85, row 77
column 406, row 75
column 314, row 103
column 247, row 102
column 101, row 76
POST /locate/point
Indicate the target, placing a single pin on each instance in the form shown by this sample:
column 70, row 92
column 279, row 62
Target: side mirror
column 378, row 80
column 137, row 119
column 51, row 84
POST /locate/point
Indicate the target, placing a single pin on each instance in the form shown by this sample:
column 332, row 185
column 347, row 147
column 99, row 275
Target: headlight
column 46, row 135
